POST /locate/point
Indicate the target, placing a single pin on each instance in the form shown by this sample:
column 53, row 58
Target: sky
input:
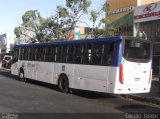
column 11, row 11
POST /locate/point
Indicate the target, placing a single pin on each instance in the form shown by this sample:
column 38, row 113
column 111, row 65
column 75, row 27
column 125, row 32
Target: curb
column 142, row 99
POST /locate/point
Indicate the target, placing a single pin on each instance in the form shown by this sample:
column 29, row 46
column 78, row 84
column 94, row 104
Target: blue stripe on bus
column 117, row 54
column 115, row 38
column 120, row 54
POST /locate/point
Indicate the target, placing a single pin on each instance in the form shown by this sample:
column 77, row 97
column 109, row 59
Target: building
column 143, row 2
column 120, row 15
column 147, row 21
column 6, row 42
column 80, row 33
column 137, row 18
column 85, row 32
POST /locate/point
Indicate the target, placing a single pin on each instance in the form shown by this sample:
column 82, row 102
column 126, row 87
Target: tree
column 97, row 29
column 56, row 27
column 17, row 31
column 109, row 31
column 46, row 30
column 99, row 23
column 66, row 18
column 30, row 27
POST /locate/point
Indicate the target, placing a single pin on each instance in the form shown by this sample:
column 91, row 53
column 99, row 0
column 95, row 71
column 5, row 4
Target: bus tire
column 21, row 75
column 63, row 84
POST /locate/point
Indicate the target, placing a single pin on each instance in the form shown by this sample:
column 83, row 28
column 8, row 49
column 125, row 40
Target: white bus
column 118, row 65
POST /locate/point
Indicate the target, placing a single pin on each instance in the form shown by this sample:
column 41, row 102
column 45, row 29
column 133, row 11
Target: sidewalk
column 153, row 97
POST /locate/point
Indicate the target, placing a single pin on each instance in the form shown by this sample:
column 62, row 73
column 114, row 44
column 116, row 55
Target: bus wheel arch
column 21, row 75
column 63, row 83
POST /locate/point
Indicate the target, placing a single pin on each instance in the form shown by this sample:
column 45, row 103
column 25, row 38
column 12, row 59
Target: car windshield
column 7, row 58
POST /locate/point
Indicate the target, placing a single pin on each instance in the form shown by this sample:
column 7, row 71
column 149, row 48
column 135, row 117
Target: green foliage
column 62, row 12
column 110, row 31
column 98, row 24
column 31, row 18
column 105, row 6
column 68, row 16
column 94, row 16
column 58, row 26
column 17, row 31
column 101, row 28
column 30, row 26
column 78, row 5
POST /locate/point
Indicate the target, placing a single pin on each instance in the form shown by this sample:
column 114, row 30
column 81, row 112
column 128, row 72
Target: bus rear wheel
column 63, row 84
column 21, row 76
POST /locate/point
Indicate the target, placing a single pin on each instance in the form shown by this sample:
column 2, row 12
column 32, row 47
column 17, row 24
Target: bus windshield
column 136, row 50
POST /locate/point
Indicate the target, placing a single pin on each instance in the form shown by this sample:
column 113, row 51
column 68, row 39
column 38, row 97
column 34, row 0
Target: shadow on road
column 138, row 109
column 81, row 93
column 8, row 74
column 92, row 95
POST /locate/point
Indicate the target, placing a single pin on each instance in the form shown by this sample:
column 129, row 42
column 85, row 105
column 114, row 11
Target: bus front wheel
column 63, row 84
column 21, row 76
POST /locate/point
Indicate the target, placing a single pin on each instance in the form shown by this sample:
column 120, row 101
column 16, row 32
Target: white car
column 6, row 62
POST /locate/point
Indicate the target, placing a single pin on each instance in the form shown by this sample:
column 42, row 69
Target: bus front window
column 136, row 50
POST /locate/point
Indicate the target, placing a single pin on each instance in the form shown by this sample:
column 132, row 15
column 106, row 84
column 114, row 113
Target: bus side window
column 47, row 53
column 44, row 53
column 67, row 54
column 40, row 53
column 97, row 53
column 33, row 53
column 78, row 54
column 108, row 53
column 52, row 53
column 64, row 53
column 15, row 55
column 70, row 54
column 58, row 54
column 87, row 59
column 36, row 53
column 22, row 54
column 30, row 53
column 26, row 53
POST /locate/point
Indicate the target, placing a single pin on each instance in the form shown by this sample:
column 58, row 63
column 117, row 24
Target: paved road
column 34, row 97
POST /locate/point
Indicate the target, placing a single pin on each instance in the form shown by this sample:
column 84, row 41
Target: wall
column 143, row 2
column 147, row 20
column 120, row 16
column 3, row 42
column 118, row 4
column 6, row 42
column 147, row 12
column 118, row 7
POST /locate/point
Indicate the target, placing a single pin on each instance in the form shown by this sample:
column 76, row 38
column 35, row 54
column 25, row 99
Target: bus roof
column 113, row 38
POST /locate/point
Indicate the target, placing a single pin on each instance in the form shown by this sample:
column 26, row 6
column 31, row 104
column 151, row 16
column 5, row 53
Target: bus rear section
column 134, row 71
